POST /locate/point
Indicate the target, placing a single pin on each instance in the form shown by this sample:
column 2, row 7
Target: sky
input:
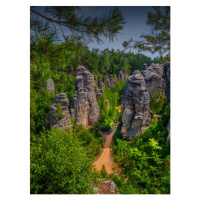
column 135, row 18
column 135, row 25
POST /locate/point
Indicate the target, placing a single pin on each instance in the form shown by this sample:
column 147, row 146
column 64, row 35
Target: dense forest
column 61, row 160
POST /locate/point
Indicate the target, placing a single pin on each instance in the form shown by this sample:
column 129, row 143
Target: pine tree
column 159, row 38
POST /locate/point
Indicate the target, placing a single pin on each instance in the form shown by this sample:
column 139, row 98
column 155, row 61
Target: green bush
column 157, row 102
column 60, row 164
column 146, row 159
column 59, row 111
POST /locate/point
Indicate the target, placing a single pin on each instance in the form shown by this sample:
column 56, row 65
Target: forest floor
column 106, row 158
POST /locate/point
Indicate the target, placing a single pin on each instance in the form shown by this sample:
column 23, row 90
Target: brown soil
column 106, row 158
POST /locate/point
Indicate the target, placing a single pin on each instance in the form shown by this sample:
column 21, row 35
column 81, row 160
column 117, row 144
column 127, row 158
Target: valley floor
column 106, row 158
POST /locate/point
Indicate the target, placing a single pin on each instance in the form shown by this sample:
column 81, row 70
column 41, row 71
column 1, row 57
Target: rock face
column 100, row 84
column 137, row 94
column 50, row 85
column 100, row 88
column 84, row 108
column 153, row 78
column 135, row 106
column 110, row 80
column 100, row 93
column 122, row 75
column 106, row 187
column 52, row 120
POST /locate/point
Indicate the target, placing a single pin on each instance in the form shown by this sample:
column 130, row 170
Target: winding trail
column 106, row 155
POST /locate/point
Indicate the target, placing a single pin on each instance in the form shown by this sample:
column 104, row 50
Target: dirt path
column 106, row 156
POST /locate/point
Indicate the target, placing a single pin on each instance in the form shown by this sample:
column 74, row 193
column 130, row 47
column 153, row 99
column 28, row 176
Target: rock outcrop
column 110, row 80
column 52, row 119
column 100, row 88
column 100, row 84
column 84, row 108
column 153, row 78
column 50, row 85
column 106, row 187
column 135, row 106
column 137, row 94
column 122, row 75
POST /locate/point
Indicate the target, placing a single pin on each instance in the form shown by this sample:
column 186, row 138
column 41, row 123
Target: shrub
column 59, row 111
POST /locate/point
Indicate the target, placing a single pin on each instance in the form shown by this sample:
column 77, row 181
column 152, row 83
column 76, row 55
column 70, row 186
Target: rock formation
column 153, row 78
column 135, row 106
column 137, row 94
column 52, row 119
column 110, row 80
column 100, row 93
column 50, row 85
column 106, row 187
column 100, row 84
column 84, row 108
column 100, row 88
column 122, row 75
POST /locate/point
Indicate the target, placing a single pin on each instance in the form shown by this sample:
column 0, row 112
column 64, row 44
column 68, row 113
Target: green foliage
column 61, row 161
column 157, row 102
column 159, row 38
column 118, row 90
column 40, row 103
column 146, row 159
column 118, row 134
column 107, row 117
column 123, row 188
column 103, row 172
column 83, row 29
column 59, row 111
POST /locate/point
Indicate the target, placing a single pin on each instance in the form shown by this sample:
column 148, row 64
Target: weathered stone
column 158, row 68
column 99, row 88
column 52, row 119
column 122, row 75
column 153, row 79
column 138, row 91
column 50, row 85
column 107, row 81
column 106, row 187
column 145, row 67
column 100, row 84
column 134, row 106
column 100, row 93
column 142, row 116
column 84, row 106
column 110, row 80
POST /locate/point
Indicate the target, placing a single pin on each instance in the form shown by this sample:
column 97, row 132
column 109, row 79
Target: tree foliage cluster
column 157, row 102
column 108, row 116
column 146, row 159
column 159, row 38
column 61, row 161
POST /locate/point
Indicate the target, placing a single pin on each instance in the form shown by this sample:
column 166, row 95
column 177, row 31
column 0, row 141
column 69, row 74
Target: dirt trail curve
column 105, row 157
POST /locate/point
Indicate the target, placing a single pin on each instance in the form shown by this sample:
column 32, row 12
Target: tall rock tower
column 84, row 108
